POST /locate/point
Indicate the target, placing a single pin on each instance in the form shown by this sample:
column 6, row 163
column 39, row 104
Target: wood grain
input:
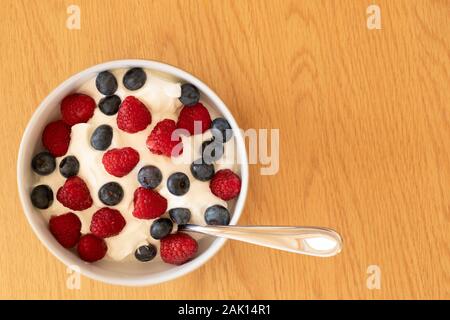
column 364, row 121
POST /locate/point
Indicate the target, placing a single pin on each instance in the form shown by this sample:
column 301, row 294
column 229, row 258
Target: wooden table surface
column 364, row 120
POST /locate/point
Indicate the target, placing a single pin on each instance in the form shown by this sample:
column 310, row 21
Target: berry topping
column 43, row 163
column 77, row 108
column 42, row 196
column 119, row 162
column 225, row 184
column 202, row 171
column 56, row 138
column 66, row 229
column 212, row 151
column 109, row 105
column 133, row 115
column 178, row 248
column 149, row 177
column 74, row 194
column 195, row 119
column 145, row 253
column 69, row 167
column 189, row 94
column 106, row 83
column 161, row 228
column 134, row 79
column 91, row 248
column 101, row 137
column 160, row 140
column 110, row 193
column 178, row 183
column 221, row 127
column 217, row 215
column 107, row 222
column 148, row 204
column 180, row 215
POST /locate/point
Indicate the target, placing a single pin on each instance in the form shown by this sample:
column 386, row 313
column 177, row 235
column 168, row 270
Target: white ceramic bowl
column 122, row 273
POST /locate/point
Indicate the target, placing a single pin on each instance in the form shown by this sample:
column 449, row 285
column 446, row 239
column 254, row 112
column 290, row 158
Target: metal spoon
column 312, row 241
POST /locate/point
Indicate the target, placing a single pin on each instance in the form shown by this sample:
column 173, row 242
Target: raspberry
column 178, row 248
column 66, row 229
column 77, row 108
column 119, row 162
column 225, row 184
column 160, row 139
column 190, row 117
column 91, row 248
column 56, row 138
column 148, row 204
column 133, row 115
column 107, row 222
column 74, row 194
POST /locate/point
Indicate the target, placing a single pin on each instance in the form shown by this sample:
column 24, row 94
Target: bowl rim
column 151, row 279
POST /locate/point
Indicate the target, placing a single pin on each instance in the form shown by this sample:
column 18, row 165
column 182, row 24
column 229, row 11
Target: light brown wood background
column 364, row 119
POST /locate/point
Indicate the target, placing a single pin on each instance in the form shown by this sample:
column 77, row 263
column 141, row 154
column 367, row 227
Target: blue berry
column 134, row 79
column 42, row 196
column 178, row 183
column 110, row 193
column 217, row 215
column 43, row 163
column 222, row 127
column 189, row 94
column 180, row 215
column 161, row 228
column 106, row 83
column 69, row 167
column 149, row 177
column 145, row 253
column 211, row 151
column 109, row 105
column 202, row 171
column 101, row 137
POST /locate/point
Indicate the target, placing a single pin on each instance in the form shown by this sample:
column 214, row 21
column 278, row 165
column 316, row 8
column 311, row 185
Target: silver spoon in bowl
column 312, row 241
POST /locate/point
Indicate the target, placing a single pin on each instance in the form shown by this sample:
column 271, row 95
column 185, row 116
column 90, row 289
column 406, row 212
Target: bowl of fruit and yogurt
column 117, row 157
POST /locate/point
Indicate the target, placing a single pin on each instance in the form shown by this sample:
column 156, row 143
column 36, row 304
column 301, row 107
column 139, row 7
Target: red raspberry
column 91, row 248
column 74, row 194
column 148, row 204
column 77, row 108
column 190, row 117
column 133, row 115
column 225, row 184
column 56, row 138
column 107, row 222
column 178, row 248
column 119, row 162
column 66, row 229
column 160, row 139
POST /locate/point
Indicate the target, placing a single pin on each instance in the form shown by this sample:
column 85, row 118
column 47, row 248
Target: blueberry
column 149, row 177
column 211, row 151
column 43, row 163
column 101, row 137
column 221, row 126
column 69, row 167
column 134, row 79
column 42, row 196
column 109, row 105
column 180, row 215
column 106, row 83
column 217, row 215
column 202, row 171
column 189, row 94
column 178, row 183
column 161, row 228
column 145, row 253
column 110, row 193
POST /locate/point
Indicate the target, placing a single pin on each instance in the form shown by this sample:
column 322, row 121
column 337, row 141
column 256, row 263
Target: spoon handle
column 313, row 241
